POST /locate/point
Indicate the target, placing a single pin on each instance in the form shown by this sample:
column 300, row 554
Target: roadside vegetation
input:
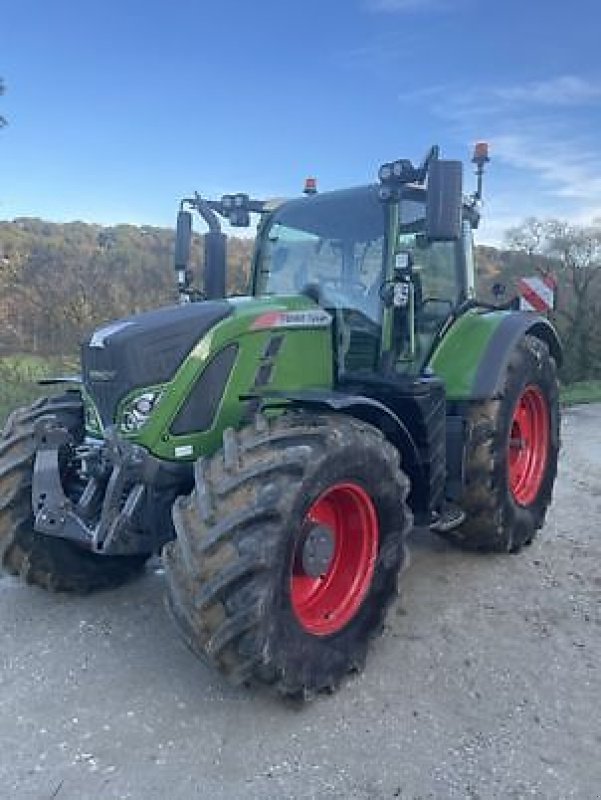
column 581, row 392
column 19, row 374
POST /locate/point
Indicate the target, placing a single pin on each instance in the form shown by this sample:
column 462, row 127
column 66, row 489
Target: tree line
column 58, row 281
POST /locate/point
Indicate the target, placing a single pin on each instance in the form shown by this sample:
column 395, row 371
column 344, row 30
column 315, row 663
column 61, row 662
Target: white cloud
column 552, row 95
column 548, row 159
column 551, row 175
column 568, row 168
column 565, row 90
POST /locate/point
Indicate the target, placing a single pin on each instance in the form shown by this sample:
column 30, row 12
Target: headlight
column 91, row 417
column 138, row 409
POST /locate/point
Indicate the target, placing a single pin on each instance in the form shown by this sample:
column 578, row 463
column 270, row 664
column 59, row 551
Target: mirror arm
column 205, row 209
column 433, row 154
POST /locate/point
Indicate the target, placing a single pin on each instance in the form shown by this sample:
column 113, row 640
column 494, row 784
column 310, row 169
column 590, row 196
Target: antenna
column 480, row 158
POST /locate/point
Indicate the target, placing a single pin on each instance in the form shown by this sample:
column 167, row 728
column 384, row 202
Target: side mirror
column 215, row 265
column 444, row 201
column 183, row 241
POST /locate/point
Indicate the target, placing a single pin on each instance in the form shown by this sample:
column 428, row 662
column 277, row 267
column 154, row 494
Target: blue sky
column 117, row 109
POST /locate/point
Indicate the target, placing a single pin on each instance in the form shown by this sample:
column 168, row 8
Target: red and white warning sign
column 537, row 293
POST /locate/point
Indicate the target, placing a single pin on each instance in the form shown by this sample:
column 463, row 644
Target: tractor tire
column 288, row 551
column 511, row 455
column 53, row 563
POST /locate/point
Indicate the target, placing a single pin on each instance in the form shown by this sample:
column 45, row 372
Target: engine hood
column 143, row 350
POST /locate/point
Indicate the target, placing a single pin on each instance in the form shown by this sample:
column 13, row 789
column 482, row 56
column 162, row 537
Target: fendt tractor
column 277, row 448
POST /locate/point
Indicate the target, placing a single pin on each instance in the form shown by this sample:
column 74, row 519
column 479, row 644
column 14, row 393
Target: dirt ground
column 486, row 684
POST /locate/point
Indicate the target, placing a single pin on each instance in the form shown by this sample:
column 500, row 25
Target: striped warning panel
column 537, row 293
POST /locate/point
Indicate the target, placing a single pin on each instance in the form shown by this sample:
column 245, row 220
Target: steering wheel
column 431, row 318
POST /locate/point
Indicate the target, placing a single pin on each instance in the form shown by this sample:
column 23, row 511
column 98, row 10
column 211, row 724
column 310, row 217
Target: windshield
column 332, row 248
column 331, row 245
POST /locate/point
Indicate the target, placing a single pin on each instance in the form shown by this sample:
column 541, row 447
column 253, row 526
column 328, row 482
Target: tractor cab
column 391, row 262
column 389, row 287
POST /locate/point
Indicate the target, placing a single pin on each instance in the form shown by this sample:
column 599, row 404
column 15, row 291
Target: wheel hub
column 318, row 551
column 529, row 443
column 334, row 558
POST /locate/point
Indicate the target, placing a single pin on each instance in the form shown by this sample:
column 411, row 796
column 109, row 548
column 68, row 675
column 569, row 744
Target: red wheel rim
column 324, row 605
column 528, row 445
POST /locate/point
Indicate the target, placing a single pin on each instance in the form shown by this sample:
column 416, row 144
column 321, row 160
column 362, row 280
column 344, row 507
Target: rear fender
column 492, row 368
column 473, row 355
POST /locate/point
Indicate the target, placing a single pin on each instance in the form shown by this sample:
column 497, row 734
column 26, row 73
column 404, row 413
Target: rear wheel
column 50, row 562
column 511, row 455
column 288, row 550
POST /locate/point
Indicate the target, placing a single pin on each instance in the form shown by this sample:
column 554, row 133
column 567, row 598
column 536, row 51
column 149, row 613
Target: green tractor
column 277, row 448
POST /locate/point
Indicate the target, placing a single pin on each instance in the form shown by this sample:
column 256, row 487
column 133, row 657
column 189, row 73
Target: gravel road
column 486, row 684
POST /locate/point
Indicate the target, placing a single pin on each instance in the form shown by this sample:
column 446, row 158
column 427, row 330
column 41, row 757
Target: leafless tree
column 574, row 253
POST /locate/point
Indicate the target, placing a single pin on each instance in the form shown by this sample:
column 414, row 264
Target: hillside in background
column 58, row 281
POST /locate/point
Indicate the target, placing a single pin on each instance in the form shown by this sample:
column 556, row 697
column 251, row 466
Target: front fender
column 369, row 410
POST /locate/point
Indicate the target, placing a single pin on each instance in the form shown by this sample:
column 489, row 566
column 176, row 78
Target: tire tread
column 220, row 567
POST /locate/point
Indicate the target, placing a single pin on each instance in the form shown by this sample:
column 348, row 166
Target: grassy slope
column 581, row 392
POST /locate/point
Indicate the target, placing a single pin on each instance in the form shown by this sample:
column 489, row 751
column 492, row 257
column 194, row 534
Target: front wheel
column 511, row 455
column 288, row 550
column 50, row 562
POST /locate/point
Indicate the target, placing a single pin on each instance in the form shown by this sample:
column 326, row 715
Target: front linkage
column 113, row 484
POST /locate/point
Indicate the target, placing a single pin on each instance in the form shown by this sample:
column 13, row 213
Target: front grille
column 105, row 393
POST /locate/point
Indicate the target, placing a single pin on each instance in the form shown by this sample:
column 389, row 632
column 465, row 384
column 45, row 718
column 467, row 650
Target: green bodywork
column 303, row 360
column 463, row 347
